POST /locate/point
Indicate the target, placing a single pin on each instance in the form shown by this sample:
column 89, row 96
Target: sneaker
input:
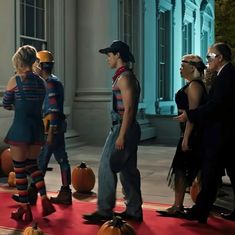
column 96, row 217
column 64, row 197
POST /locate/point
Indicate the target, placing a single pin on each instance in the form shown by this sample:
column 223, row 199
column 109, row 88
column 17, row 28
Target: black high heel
column 47, row 207
column 23, row 213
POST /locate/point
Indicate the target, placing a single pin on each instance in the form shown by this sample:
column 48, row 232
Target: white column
column 59, row 38
column 97, row 27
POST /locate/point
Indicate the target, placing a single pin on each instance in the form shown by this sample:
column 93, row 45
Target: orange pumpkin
column 83, row 178
column 116, row 226
column 6, row 162
column 11, row 179
column 194, row 190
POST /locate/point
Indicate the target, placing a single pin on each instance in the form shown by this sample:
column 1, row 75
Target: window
column 207, row 35
column 32, row 23
column 204, row 42
column 187, row 36
column 131, row 32
column 164, row 77
column 187, row 39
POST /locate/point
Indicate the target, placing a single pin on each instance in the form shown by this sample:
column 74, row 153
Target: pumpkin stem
column 83, row 165
column 35, row 225
column 117, row 221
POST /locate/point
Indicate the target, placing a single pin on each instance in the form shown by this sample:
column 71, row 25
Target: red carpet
column 68, row 220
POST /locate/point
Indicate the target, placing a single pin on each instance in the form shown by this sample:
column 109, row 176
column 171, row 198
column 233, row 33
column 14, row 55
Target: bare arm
column 127, row 93
column 11, row 83
column 194, row 93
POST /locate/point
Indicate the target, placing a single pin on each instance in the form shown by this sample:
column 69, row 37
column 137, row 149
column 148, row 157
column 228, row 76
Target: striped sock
column 37, row 176
column 21, row 180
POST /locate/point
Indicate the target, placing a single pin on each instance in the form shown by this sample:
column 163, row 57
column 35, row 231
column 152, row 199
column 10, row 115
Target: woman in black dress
column 187, row 159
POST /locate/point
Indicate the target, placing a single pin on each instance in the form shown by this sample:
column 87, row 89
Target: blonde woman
column 24, row 94
column 186, row 162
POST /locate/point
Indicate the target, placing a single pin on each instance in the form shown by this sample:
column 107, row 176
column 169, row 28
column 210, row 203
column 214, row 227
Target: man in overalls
column 124, row 136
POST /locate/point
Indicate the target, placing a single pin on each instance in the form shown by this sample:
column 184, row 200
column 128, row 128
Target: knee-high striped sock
column 21, row 180
column 37, row 176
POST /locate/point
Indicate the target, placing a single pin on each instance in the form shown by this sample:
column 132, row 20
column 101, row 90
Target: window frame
column 207, row 18
column 21, row 37
column 165, row 105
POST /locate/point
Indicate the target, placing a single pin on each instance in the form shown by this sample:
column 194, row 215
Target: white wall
column 7, row 49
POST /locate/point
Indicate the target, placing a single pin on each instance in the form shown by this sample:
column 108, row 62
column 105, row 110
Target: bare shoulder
column 11, row 83
column 196, row 85
column 127, row 78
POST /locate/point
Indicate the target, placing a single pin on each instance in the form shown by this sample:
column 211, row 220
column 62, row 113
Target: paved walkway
column 153, row 162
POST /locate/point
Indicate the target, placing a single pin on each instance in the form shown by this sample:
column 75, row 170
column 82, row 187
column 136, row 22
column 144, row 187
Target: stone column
column 65, row 44
column 97, row 27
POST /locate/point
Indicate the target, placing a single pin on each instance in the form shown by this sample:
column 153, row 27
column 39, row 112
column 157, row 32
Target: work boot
column 64, row 196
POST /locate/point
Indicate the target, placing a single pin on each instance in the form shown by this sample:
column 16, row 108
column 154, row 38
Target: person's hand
column 119, row 144
column 182, row 117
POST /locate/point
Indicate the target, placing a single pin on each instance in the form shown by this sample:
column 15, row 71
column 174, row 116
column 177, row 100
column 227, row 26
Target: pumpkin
column 83, row 178
column 33, row 230
column 11, row 179
column 194, row 190
column 6, row 162
column 116, row 226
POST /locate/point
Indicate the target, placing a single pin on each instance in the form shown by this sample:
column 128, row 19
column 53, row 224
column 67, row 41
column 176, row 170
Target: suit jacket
column 217, row 114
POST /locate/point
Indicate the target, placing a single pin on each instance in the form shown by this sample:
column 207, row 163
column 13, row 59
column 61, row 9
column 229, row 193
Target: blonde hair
column 197, row 62
column 25, row 56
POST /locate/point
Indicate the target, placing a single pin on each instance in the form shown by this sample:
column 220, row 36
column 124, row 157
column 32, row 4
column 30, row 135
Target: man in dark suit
column 219, row 122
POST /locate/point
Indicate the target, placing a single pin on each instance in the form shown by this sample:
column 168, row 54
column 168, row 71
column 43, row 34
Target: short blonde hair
column 24, row 56
column 197, row 62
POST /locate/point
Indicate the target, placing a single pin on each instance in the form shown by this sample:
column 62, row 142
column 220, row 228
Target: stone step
column 148, row 131
column 72, row 139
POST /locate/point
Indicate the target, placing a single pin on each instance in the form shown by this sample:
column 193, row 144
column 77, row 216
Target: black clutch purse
column 118, row 159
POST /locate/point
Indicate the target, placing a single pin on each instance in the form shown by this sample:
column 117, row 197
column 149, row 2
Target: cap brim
column 106, row 50
column 109, row 49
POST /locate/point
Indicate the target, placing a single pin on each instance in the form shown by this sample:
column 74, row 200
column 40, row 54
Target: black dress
column 187, row 163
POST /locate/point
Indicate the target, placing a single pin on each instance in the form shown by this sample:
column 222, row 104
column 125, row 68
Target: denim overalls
column 129, row 176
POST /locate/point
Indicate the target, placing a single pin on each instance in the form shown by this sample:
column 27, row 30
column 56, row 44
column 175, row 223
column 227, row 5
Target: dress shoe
column 64, row 197
column 126, row 216
column 47, row 207
column 33, row 195
column 230, row 216
column 23, row 213
column 191, row 215
column 96, row 217
column 171, row 211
